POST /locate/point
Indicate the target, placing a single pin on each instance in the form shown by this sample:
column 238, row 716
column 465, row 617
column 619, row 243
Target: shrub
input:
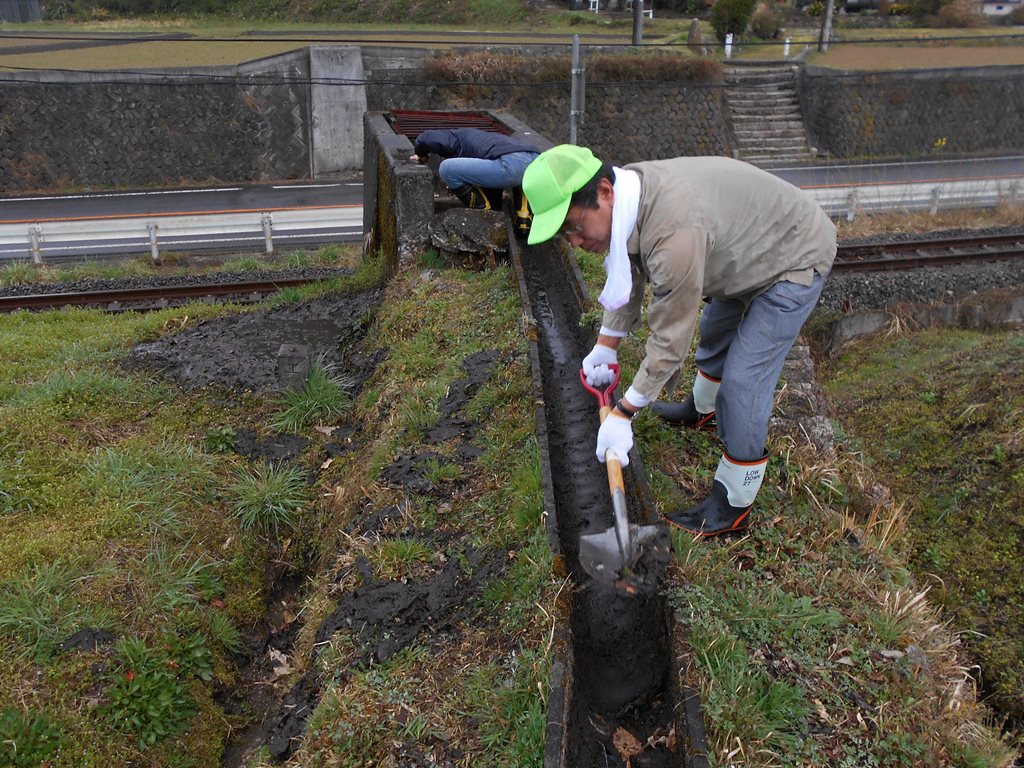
column 765, row 23
column 27, row 739
column 959, row 14
column 730, row 17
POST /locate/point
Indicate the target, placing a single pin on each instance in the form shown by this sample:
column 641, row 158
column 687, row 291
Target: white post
column 728, row 45
column 154, row 249
column 852, row 201
column 35, row 234
column 785, row 49
column 576, row 93
column 268, row 227
column 936, row 195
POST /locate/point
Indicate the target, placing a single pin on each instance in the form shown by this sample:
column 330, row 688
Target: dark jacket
column 468, row 142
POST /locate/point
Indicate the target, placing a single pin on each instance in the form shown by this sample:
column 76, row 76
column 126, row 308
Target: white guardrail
column 851, row 199
column 153, row 234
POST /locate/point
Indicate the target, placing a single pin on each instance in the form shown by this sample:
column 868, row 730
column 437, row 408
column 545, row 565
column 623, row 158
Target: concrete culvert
column 621, row 704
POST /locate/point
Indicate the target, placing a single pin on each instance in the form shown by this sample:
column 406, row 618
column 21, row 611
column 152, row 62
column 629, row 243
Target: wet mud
column 621, row 643
column 241, row 352
column 387, row 616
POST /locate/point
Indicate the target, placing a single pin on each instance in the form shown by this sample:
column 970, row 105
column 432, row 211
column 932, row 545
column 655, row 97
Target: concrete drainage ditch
column 615, row 676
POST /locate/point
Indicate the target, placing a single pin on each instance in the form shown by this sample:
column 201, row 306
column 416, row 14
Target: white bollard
column 785, row 49
column 154, row 249
column 728, row 46
column 268, row 230
column 35, row 235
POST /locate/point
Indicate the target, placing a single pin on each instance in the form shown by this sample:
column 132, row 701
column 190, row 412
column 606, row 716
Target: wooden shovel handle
column 611, row 461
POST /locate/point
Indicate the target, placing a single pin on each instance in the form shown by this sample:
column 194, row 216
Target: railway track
column 157, row 297
column 881, row 256
column 930, row 252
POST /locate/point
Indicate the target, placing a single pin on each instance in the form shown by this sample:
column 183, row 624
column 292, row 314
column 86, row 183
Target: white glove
column 595, row 366
column 615, row 434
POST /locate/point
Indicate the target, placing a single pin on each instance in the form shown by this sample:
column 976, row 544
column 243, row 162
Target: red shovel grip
column 604, row 396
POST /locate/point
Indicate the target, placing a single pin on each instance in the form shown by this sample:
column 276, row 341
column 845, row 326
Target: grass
column 117, row 516
column 38, row 609
column 224, row 41
column 15, row 273
column 322, row 397
column 268, row 499
column 948, row 445
column 482, row 692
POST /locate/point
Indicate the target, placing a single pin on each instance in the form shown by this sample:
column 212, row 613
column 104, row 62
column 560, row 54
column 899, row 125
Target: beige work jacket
column 712, row 227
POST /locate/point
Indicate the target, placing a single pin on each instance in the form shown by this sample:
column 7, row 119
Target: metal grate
column 412, row 123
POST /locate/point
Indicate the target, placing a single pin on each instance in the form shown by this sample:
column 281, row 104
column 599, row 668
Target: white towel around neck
column 619, row 281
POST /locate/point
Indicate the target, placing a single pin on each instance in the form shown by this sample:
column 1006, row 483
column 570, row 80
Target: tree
column 730, row 17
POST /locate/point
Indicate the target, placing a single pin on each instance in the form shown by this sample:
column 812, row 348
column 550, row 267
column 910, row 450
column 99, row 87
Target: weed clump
column 27, row 739
column 323, row 396
column 268, row 499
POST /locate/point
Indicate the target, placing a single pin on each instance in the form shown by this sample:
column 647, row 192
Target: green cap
column 550, row 181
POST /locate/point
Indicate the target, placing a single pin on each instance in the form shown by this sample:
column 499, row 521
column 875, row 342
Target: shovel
column 610, row 556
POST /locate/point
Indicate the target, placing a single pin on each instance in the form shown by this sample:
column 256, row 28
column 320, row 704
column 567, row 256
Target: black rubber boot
column 492, row 198
column 473, row 197
column 713, row 516
column 685, row 414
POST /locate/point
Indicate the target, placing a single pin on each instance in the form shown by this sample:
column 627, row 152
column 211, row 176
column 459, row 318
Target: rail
column 929, row 252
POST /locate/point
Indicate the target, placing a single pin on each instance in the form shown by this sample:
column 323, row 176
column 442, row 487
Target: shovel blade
column 603, row 559
column 600, row 556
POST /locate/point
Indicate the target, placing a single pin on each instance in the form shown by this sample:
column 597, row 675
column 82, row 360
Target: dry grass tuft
column 1008, row 213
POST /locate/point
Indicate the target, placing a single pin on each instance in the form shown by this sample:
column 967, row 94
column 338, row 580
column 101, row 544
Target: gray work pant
column 745, row 347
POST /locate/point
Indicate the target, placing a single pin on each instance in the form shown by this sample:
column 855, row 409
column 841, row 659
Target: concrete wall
column 339, row 101
column 914, row 114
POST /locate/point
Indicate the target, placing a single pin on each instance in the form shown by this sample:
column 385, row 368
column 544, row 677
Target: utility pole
column 638, row 21
column 826, row 27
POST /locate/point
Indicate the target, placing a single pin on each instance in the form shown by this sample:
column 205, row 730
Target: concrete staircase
column 766, row 114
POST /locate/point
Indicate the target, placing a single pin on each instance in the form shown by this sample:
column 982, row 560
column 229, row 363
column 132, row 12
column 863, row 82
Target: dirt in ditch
column 624, row 687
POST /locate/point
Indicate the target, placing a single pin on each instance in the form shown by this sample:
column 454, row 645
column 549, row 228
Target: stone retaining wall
column 259, row 122
column 913, row 114
column 61, row 130
column 623, row 122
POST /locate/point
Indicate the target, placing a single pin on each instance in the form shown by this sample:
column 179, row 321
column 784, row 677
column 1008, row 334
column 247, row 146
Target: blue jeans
column 746, row 347
column 506, row 171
